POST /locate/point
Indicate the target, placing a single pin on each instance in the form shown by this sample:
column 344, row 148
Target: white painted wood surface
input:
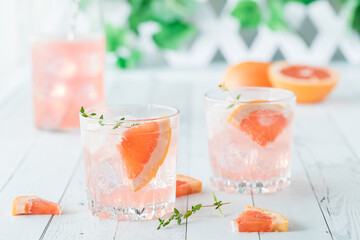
column 323, row 201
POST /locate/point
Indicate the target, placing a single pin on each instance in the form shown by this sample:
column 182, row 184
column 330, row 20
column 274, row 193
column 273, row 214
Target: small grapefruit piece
column 254, row 219
column 247, row 74
column 33, row 205
column 263, row 122
column 187, row 185
column 309, row 83
column 143, row 150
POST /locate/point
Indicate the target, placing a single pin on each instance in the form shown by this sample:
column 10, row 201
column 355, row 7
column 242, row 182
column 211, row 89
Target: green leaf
column 141, row 11
column 355, row 19
column 92, row 114
column 176, row 211
column 230, row 106
column 198, row 206
column 276, row 20
column 306, row 2
column 116, row 37
column 129, row 61
column 174, row 35
column 215, row 199
column 248, row 13
column 82, row 110
column 238, row 97
column 171, row 10
column 179, row 221
column 84, row 115
column 102, row 116
column 187, row 214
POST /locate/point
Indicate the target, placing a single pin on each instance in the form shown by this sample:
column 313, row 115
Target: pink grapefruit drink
column 130, row 160
column 250, row 138
column 66, row 75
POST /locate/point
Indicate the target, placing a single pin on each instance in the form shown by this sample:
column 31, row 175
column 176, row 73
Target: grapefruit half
column 254, row 219
column 309, row 83
column 262, row 122
column 33, row 205
column 143, row 149
column 187, row 185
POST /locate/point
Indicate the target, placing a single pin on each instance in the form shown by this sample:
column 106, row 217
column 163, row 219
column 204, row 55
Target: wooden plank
column 77, row 221
column 17, row 132
column 298, row 204
column 46, row 172
column 332, row 169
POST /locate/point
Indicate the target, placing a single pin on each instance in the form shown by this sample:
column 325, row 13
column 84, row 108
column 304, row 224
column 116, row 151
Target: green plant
column 250, row 16
column 172, row 17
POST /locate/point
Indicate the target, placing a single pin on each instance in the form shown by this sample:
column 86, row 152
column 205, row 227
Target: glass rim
column 112, row 121
column 291, row 96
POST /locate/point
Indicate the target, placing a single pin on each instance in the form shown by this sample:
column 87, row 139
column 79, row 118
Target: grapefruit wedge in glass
column 262, row 122
column 143, row 150
column 309, row 83
column 33, row 205
column 254, row 219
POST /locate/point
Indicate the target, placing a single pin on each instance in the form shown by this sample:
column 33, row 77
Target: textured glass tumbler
column 250, row 138
column 130, row 155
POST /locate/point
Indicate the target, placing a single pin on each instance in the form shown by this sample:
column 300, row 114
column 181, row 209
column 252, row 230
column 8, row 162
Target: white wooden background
column 323, row 201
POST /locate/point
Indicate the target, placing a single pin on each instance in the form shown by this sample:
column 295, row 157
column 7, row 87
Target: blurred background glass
column 68, row 57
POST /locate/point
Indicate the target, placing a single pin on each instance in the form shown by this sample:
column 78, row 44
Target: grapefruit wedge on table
column 254, row 219
column 33, row 205
column 143, row 150
column 262, row 122
column 310, row 84
column 187, row 185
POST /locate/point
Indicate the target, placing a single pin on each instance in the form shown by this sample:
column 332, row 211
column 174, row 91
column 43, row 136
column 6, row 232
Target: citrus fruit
column 254, row 219
column 309, row 83
column 143, row 149
column 33, row 205
column 263, row 122
column 247, row 74
column 187, row 185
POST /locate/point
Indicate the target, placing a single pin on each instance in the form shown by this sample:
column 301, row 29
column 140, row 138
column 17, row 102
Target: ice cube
column 106, row 178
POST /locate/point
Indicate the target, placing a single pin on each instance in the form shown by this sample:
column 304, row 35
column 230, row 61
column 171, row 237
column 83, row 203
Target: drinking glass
column 68, row 51
column 250, row 138
column 130, row 154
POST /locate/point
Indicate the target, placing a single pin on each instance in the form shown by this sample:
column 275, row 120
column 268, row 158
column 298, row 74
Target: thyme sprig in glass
column 101, row 118
column 179, row 216
column 234, row 98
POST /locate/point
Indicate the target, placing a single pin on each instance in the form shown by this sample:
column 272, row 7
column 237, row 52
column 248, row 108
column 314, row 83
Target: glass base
column 130, row 213
column 270, row 186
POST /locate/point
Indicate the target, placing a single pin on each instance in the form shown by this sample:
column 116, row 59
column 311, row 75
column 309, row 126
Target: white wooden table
column 323, row 201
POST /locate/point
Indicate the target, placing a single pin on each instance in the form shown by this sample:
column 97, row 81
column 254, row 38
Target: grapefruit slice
column 247, row 74
column 254, row 219
column 186, row 185
column 310, row 84
column 143, row 150
column 33, row 205
column 263, row 122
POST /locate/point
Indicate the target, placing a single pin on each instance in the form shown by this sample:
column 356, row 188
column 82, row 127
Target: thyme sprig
column 101, row 118
column 234, row 98
column 179, row 216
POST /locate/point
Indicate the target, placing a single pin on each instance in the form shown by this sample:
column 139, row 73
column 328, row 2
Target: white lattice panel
column 222, row 33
